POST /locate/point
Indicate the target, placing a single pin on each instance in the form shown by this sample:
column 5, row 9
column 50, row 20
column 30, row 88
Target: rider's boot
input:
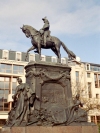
column 44, row 41
column 36, row 51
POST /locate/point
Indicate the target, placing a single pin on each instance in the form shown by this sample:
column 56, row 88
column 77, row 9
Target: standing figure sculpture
column 21, row 108
column 45, row 41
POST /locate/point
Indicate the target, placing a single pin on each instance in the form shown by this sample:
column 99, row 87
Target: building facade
column 85, row 79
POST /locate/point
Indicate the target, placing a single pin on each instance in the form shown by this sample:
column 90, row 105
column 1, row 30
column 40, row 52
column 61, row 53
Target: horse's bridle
column 35, row 34
column 27, row 30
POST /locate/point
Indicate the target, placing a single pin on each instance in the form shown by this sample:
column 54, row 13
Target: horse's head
column 26, row 30
column 29, row 31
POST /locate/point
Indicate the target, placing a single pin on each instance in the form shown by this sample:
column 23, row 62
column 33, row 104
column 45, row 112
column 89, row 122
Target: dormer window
column 31, row 57
column 5, row 54
column 42, row 57
column 18, row 56
column 54, row 59
column 63, row 60
column 87, row 67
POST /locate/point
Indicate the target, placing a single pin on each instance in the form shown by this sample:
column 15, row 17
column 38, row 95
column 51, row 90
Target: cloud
column 84, row 20
column 15, row 46
column 71, row 17
column 71, row 14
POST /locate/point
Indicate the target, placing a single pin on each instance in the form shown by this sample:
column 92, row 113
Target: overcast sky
column 75, row 22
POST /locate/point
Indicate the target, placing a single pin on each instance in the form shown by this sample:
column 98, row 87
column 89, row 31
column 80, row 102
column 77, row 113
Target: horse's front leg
column 32, row 48
column 58, row 54
column 39, row 50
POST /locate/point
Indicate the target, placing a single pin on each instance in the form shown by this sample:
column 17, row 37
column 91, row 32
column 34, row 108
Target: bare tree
column 81, row 87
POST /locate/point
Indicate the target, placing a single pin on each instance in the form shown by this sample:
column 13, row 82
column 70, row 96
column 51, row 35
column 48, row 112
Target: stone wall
column 56, row 129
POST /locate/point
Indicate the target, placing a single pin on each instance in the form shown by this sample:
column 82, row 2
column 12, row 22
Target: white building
column 85, row 77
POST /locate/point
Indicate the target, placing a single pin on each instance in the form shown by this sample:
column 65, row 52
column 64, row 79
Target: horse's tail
column 70, row 53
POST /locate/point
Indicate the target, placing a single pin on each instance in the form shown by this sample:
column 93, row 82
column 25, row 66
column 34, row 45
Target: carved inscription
column 53, row 93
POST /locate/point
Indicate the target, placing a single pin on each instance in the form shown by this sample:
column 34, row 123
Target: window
column 42, row 58
column 91, row 68
column 97, row 80
column 18, row 56
column 5, row 54
column 14, row 84
column 88, row 67
column 4, row 83
column 5, row 68
column 2, row 122
column 4, row 91
column 54, row 59
column 98, row 119
column 89, row 90
column 95, row 119
column 31, row 57
column 18, row 69
column 88, row 75
column 97, row 96
column 63, row 60
column 95, row 68
column 77, row 76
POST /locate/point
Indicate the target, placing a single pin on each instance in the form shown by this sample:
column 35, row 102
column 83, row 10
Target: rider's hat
column 45, row 19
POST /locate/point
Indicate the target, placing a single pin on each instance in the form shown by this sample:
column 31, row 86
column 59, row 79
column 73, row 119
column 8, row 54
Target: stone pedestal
column 51, row 83
column 57, row 129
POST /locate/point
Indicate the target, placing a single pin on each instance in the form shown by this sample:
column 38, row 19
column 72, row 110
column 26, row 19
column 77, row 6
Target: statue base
column 51, row 107
column 51, row 83
column 56, row 129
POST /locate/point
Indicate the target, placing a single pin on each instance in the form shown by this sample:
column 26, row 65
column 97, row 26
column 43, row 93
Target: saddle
column 48, row 38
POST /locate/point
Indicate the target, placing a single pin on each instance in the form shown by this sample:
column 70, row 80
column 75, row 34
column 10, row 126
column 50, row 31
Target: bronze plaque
column 52, row 93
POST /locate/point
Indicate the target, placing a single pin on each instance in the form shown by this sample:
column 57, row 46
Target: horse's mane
column 30, row 28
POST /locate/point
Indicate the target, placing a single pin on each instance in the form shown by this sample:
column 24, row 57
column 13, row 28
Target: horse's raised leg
column 32, row 48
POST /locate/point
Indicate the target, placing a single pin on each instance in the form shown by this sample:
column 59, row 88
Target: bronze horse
column 52, row 43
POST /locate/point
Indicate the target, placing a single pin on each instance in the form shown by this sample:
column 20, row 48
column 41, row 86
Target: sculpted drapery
column 21, row 109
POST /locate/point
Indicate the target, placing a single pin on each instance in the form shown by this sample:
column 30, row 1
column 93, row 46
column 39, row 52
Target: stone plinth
column 51, row 83
column 56, row 129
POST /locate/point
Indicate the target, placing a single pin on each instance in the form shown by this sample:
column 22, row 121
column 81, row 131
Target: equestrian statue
column 43, row 39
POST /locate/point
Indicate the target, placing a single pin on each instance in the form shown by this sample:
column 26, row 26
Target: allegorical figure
column 75, row 113
column 45, row 30
column 22, row 99
column 77, row 102
column 80, row 114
